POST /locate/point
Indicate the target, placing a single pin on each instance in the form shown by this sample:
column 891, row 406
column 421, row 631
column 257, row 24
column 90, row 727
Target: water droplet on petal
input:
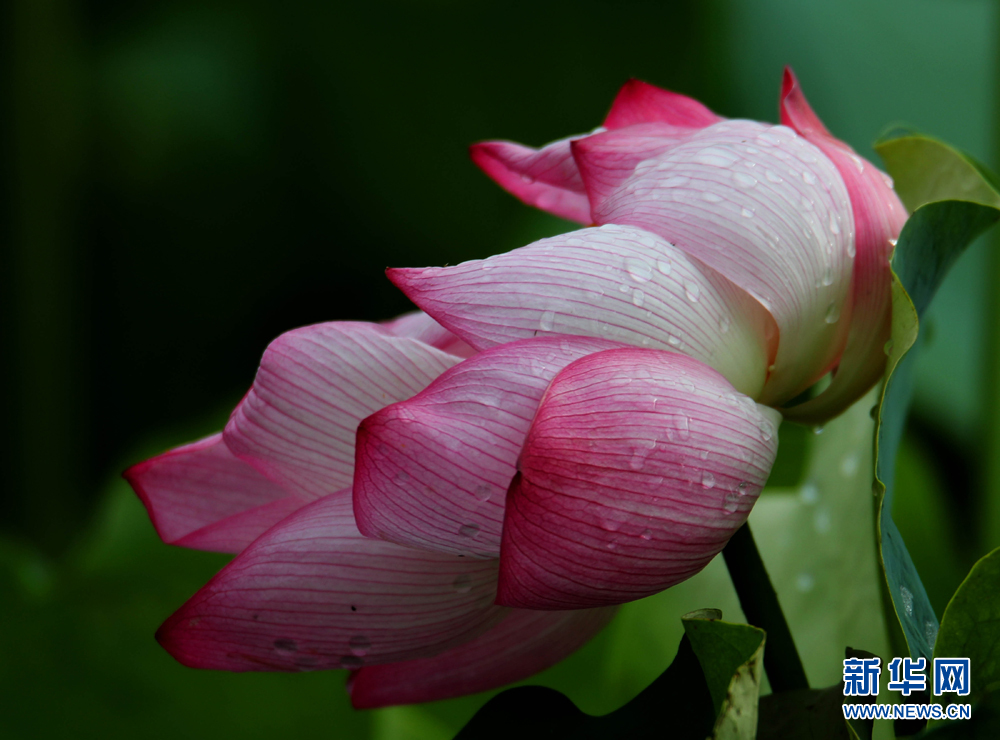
column 888, row 347
column 828, row 276
column 483, row 493
column 707, row 480
column 674, row 341
column 773, row 176
column 730, row 503
column 528, row 179
column 746, row 212
column 647, row 534
column 834, row 223
column 462, row 583
column 807, row 203
column 742, row 488
column 468, row 530
column 286, row 647
column 710, row 197
column 675, row 182
column 547, row 320
column 638, row 297
column 832, row 313
column 638, row 269
column 683, row 427
column 859, row 163
column 744, row 180
column 716, row 156
column 818, row 429
column 724, row 324
column 664, row 266
column 692, row 291
column 808, row 178
column 360, row 645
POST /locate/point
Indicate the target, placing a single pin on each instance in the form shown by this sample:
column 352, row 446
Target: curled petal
column 418, row 325
column 770, row 212
column 614, row 282
column 313, row 593
column 639, row 466
column 433, row 471
column 608, row 159
column 878, row 218
column 640, row 102
column 314, row 386
column 546, row 178
column 521, row 645
column 204, row 497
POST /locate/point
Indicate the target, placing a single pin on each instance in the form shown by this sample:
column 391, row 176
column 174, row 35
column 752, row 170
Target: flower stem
column 761, row 608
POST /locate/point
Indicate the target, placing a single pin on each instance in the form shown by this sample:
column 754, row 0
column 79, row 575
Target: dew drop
column 462, row 583
column 611, row 545
column 547, row 321
column 907, row 596
column 716, row 156
column 888, row 347
column 623, row 288
column 692, row 291
column 351, row 662
column 730, row 503
column 852, row 248
column 647, row 534
column 675, row 182
column 808, row 177
column 832, row 313
column 828, row 276
column 683, row 427
column 930, row 632
column 638, row 297
column 807, row 203
column 638, row 269
column 528, row 179
column 468, row 530
column 286, row 647
column 710, row 197
column 707, row 480
column 859, row 163
column 773, row 176
column 724, row 324
column 674, row 341
column 834, row 223
column 746, row 212
column 744, row 180
column 359, row 645
column 887, row 180
column 664, row 266
column 742, row 488
column 483, row 493
column 818, row 429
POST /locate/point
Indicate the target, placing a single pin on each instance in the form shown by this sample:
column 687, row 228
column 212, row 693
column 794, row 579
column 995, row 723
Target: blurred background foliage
column 186, row 180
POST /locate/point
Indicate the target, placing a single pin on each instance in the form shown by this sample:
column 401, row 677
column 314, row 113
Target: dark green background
column 184, row 181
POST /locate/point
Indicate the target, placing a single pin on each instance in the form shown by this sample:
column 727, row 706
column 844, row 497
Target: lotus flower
column 760, row 250
column 363, row 482
column 459, row 498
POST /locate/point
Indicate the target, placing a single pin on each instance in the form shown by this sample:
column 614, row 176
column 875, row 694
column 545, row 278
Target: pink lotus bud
column 788, row 215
